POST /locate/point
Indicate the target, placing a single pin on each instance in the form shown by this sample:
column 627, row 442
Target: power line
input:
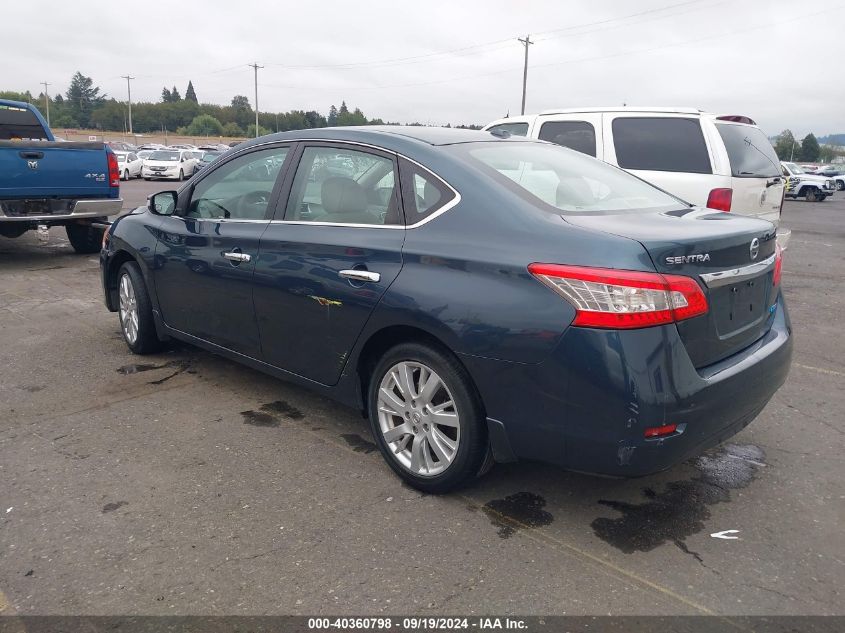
column 255, row 67
column 129, row 95
column 47, row 100
column 526, row 43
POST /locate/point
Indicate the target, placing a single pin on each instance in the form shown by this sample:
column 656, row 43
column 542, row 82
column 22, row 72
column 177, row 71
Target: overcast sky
column 438, row 61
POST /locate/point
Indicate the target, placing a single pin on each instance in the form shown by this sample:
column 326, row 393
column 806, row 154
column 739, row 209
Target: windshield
column 165, row 156
column 121, row 157
column 750, row 152
column 794, row 169
column 567, row 180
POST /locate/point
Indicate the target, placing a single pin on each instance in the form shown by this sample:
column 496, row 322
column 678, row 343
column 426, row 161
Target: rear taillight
column 114, row 170
column 623, row 299
column 778, row 265
column 660, row 431
column 720, row 199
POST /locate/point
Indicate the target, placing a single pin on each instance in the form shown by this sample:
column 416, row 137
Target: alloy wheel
column 128, row 309
column 418, row 418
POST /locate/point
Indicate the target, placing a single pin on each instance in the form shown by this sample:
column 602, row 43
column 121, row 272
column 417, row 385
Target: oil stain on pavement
column 178, row 365
column 358, row 443
column 520, row 510
column 271, row 414
column 682, row 508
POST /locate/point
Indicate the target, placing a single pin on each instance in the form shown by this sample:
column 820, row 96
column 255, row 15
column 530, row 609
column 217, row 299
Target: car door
column 134, row 165
column 333, row 249
column 206, row 253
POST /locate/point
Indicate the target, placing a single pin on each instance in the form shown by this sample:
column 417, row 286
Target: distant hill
column 832, row 139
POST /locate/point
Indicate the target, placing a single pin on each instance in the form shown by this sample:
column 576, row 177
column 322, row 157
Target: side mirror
column 162, row 203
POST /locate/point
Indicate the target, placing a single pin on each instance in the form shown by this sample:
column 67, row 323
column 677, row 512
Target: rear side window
column 423, row 194
column 514, row 129
column 661, row 144
column 750, row 152
column 577, row 135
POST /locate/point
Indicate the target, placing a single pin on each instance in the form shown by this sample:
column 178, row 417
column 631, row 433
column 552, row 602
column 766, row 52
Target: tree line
column 85, row 106
column 808, row 150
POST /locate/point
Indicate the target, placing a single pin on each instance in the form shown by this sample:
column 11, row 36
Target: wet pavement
column 182, row 483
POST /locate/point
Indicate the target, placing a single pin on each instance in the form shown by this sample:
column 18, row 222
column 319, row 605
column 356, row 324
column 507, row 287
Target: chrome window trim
column 736, row 275
column 446, row 207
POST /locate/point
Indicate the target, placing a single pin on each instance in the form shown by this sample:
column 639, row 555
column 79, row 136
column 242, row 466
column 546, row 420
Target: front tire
column 126, row 175
column 427, row 418
column 181, row 175
column 84, row 238
column 840, row 185
column 810, row 194
column 135, row 311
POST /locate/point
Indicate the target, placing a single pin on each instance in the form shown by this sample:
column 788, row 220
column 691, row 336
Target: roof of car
column 388, row 136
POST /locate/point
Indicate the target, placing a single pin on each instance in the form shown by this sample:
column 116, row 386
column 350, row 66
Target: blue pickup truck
column 44, row 182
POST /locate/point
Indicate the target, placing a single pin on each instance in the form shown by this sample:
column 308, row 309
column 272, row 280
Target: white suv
column 722, row 162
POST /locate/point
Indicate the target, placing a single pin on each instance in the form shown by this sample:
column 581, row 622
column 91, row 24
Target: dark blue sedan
column 479, row 298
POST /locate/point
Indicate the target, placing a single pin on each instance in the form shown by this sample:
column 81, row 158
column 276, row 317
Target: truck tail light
column 114, row 170
column 778, row 265
column 720, row 199
column 623, row 299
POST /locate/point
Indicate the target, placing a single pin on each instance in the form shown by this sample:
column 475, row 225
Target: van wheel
column 426, row 418
column 84, row 238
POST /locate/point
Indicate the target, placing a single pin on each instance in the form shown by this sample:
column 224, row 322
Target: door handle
column 359, row 275
column 237, row 257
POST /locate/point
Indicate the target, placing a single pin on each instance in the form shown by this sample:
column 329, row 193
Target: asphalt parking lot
column 183, row 483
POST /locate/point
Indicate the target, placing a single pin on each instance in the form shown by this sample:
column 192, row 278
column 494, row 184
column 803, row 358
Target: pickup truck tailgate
column 44, row 169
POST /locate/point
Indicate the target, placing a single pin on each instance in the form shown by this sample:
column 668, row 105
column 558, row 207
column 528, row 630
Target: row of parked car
column 160, row 162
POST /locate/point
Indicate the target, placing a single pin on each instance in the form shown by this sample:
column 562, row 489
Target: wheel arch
column 387, row 337
column 117, row 260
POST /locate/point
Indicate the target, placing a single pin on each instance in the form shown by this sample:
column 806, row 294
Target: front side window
column 239, row 189
column 514, row 129
column 559, row 180
column 661, row 144
column 577, row 135
column 342, row 186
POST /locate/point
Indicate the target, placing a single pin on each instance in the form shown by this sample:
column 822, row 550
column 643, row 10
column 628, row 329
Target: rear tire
column 135, row 311
column 438, row 446
column 84, row 238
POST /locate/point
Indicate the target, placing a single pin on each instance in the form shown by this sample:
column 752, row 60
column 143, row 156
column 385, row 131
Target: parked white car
column 800, row 184
column 129, row 165
column 721, row 162
column 186, row 146
column 170, row 164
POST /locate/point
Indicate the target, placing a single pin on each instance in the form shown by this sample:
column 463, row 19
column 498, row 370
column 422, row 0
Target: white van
column 721, row 162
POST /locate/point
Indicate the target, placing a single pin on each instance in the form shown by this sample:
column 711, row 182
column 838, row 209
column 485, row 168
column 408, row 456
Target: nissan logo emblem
column 755, row 248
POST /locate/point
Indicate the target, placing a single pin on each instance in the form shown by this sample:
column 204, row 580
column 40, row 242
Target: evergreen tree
column 166, row 96
column 190, row 95
column 810, row 149
column 332, row 118
column 174, row 95
column 83, row 96
column 343, row 108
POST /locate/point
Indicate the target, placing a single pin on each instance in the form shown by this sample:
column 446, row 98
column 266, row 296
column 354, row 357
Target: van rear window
column 661, row 144
column 750, row 152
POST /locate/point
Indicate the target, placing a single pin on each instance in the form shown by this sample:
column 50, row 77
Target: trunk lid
column 715, row 249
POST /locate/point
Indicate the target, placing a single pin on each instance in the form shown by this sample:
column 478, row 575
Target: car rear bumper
column 587, row 406
column 13, row 211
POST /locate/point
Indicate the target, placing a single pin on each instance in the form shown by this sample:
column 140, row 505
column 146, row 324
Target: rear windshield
column 165, row 156
column 750, row 152
column 20, row 124
column 514, row 129
column 564, row 180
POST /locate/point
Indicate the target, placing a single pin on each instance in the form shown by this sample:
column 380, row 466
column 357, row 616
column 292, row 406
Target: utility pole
column 526, row 43
column 129, row 93
column 47, row 100
column 255, row 67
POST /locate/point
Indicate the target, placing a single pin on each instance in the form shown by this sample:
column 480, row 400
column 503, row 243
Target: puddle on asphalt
column 517, row 511
column 683, row 507
column 178, row 365
column 270, row 414
column 358, row 443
